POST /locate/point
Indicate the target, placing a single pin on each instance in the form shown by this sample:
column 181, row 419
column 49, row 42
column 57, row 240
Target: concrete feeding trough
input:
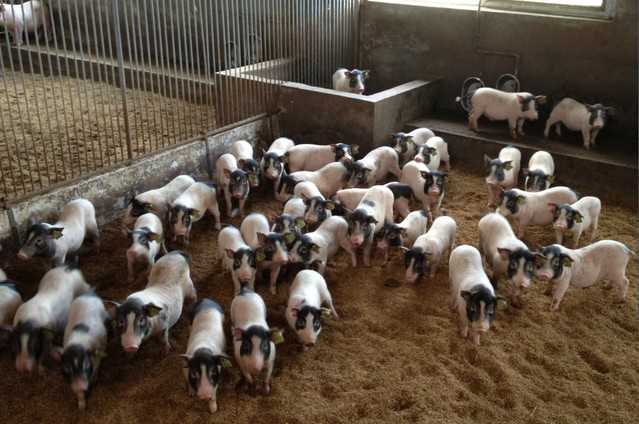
column 321, row 115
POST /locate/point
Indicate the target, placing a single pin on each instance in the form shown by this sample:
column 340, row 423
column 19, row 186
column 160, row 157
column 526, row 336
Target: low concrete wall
column 111, row 191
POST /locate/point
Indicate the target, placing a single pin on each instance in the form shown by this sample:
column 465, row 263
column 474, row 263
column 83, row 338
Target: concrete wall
column 110, row 192
column 587, row 59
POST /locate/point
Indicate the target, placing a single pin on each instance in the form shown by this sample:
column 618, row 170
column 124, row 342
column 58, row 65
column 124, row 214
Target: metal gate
column 102, row 82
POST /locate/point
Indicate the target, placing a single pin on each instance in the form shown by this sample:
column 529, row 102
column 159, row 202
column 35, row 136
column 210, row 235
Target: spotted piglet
column 314, row 249
column 304, row 311
column 528, row 208
column 540, row 173
column 38, row 320
column 373, row 211
column 156, row 201
column 318, row 208
column 605, row 260
column 429, row 187
column 375, row 167
column 433, row 154
column 506, row 256
column 85, row 340
column 270, row 248
column 10, row 301
column 430, row 249
column 472, row 295
column 350, row 81
column 583, row 215
column 407, row 144
column 243, row 152
column 154, row 310
column 273, row 160
column 147, row 238
column 62, row 240
column 503, row 173
column 253, row 340
column 328, row 179
column 403, row 234
column 232, row 182
column 576, row 116
column 205, row 359
column 190, row 207
column 237, row 257
column 311, row 157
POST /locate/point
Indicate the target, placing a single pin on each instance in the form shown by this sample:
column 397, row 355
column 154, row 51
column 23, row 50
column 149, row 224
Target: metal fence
column 111, row 80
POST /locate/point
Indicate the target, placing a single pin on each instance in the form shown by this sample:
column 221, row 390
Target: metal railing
column 112, row 80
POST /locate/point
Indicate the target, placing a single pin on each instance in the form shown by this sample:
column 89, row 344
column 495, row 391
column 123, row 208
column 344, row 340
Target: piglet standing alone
column 85, row 340
column 429, row 249
column 471, row 293
column 191, row 206
column 273, row 160
column 154, row 310
column 232, row 182
column 57, row 242
column 498, row 105
column 540, row 173
column 403, row 234
column 237, row 257
column 576, row 116
column 253, row 340
column 429, row 187
column 304, row 311
column 605, row 260
column 583, row 215
column 503, row 173
column 147, row 238
column 352, row 81
column 38, row 320
column 205, row 358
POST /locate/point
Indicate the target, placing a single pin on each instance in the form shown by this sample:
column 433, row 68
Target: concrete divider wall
column 111, row 191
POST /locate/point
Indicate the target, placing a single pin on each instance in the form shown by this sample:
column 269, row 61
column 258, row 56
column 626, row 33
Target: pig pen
column 79, row 128
column 394, row 356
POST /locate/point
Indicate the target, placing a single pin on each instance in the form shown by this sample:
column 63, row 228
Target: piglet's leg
column 558, row 294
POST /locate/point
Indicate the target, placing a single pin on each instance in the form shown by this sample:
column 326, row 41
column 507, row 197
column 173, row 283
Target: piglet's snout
column 79, row 385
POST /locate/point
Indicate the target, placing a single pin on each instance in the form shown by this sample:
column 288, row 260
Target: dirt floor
column 54, row 129
column 395, row 356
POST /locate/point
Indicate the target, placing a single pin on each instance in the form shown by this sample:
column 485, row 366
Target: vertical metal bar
column 190, row 70
column 264, row 33
column 247, row 102
column 162, row 59
column 147, row 72
column 143, row 89
column 237, row 56
column 220, row 80
column 134, row 93
column 122, row 79
column 176, row 58
column 261, row 94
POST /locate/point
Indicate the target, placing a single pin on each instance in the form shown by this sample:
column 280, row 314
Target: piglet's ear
column 504, row 254
column 567, row 261
column 551, row 179
column 329, row 205
column 261, row 239
column 540, row 99
column 56, row 232
column 277, row 335
column 578, row 217
column 465, row 294
column 152, row 310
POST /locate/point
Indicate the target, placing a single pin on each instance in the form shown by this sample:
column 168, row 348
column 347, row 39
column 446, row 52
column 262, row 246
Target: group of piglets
column 516, row 108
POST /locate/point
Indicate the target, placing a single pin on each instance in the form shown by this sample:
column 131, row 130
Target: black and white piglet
column 154, row 310
column 576, row 116
column 429, row 249
column 406, row 144
column 232, row 182
column 156, row 201
column 540, row 173
column 44, row 316
column 583, row 215
column 503, row 173
column 57, row 242
column 403, row 234
column 190, row 207
column 273, row 160
column 205, row 358
column 304, row 311
column 237, row 257
column 243, row 152
column 147, row 238
column 375, row 167
column 429, row 187
column 10, row 301
column 311, row 157
column 318, row 208
column 350, row 81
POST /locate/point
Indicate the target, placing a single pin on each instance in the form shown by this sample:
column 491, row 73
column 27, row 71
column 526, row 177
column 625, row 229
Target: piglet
column 154, row 310
column 243, row 152
column 374, row 167
column 273, row 160
column 503, row 173
column 471, row 293
column 505, row 255
column 38, row 320
column 156, row 201
column 406, row 144
column 576, row 218
column 304, row 310
column 433, row 153
column 498, row 105
column 576, row 116
column 318, row 208
column 57, row 242
column 352, row 81
column 253, row 340
column 428, row 250
column 232, row 182
column 605, row 260
column 311, row 157
column 147, row 237
column 270, row 248
column 10, row 301
column 289, row 226
column 314, row 249
column 540, row 173
column 368, row 218
column 25, row 17
column 238, row 258
column 190, row 207
column 429, row 187
column 205, row 359
column 328, row 179
column 528, row 208
column 403, row 234
column 85, row 340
